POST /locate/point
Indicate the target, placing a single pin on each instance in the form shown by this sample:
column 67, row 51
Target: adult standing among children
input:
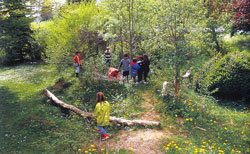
column 77, row 63
column 107, row 55
column 125, row 62
column 140, row 70
column 146, row 69
column 102, row 113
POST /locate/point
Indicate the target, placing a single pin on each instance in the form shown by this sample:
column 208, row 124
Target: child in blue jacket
column 134, row 69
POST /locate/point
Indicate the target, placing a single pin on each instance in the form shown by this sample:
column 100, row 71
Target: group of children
column 138, row 67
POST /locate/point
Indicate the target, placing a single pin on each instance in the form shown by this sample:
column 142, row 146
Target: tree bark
column 91, row 115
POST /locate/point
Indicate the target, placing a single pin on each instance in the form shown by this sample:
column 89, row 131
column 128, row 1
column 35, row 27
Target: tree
column 241, row 16
column 15, row 30
column 177, row 23
column 217, row 21
column 47, row 10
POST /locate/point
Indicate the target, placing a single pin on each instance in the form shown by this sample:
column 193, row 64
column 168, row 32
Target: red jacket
column 77, row 59
column 113, row 72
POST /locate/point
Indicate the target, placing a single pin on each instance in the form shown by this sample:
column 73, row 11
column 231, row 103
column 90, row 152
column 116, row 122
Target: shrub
column 226, row 77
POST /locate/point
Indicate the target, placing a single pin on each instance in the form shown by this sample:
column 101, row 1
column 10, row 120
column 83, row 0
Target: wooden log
column 91, row 115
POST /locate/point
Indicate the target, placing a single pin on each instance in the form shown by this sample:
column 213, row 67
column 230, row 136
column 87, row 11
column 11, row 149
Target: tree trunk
column 215, row 39
column 177, row 82
column 90, row 115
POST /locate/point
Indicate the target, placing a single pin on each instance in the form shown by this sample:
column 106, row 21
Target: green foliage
column 210, row 128
column 227, row 76
column 66, row 33
column 16, row 40
column 237, row 42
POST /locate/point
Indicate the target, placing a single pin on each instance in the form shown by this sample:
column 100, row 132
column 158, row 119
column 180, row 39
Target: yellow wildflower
column 192, row 110
column 130, row 148
column 102, row 149
column 79, row 150
column 85, row 151
column 167, row 148
column 92, row 146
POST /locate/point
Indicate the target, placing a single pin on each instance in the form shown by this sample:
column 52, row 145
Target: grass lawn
column 20, row 104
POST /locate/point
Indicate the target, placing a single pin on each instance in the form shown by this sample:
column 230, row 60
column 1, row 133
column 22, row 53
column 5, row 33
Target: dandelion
column 198, row 109
column 90, row 149
column 79, row 150
column 179, row 148
column 85, row 151
column 192, row 110
column 167, row 148
column 214, row 121
column 94, row 149
column 187, row 119
column 203, row 146
column 172, row 141
column 92, row 146
column 176, row 147
column 232, row 150
column 201, row 150
column 130, row 148
column 102, row 149
column 191, row 119
column 242, row 132
column 225, row 128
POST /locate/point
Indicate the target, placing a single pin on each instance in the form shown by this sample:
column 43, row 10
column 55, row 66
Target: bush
column 226, row 76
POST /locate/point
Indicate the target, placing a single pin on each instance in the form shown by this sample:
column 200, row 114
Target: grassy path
column 142, row 140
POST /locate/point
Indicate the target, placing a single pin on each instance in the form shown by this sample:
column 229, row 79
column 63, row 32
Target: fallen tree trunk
column 90, row 115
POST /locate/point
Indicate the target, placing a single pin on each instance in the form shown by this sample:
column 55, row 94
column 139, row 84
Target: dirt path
column 144, row 141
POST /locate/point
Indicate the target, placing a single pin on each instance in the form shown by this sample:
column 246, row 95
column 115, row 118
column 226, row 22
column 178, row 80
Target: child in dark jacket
column 134, row 69
column 146, row 64
column 140, row 70
column 125, row 62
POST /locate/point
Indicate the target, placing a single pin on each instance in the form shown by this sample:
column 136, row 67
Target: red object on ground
column 113, row 72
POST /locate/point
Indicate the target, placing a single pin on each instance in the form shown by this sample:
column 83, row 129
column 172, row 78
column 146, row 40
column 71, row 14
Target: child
column 140, row 70
column 113, row 72
column 107, row 56
column 134, row 69
column 102, row 112
column 77, row 62
column 146, row 64
column 125, row 63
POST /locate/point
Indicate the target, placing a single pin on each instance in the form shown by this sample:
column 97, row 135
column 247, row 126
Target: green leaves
column 228, row 76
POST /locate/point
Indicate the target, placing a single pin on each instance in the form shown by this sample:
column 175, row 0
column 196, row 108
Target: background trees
column 241, row 16
column 15, row 30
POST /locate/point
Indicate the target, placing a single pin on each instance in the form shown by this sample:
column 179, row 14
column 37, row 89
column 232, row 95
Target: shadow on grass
column 8, row 109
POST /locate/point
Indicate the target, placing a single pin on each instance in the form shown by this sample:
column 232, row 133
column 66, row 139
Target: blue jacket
column 134, row 69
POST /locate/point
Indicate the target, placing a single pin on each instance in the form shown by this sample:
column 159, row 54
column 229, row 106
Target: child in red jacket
column 113, row 72
column 77, row 63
